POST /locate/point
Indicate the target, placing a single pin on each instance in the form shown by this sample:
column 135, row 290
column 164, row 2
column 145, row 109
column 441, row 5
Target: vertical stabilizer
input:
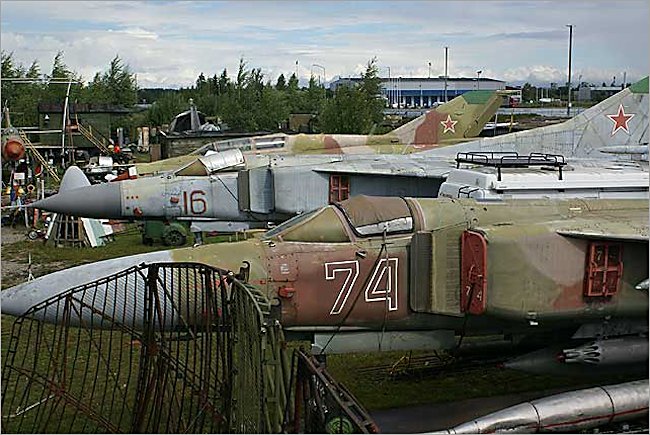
column 461, row 118
column 619, row 121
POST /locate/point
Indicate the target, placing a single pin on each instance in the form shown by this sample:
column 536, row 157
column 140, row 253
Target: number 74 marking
column 386, row 269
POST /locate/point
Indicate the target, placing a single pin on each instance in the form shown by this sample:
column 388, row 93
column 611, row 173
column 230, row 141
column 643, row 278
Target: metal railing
column 88, row 134
column 39, row 157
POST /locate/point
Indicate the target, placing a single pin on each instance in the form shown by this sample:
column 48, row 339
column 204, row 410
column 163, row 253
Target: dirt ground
column 12, row 271
column 11, row 235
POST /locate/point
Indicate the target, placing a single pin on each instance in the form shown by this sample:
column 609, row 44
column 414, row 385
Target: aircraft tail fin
column 619, row 122
column 457, row 120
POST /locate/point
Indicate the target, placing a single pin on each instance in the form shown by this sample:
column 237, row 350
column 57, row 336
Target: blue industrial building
column 416, row 92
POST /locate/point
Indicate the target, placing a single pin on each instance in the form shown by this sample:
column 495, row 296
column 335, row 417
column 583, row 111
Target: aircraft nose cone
column 17, row 300
column 100, row 201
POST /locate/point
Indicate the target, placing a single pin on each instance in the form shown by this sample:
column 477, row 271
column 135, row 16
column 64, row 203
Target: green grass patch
column 383, row 389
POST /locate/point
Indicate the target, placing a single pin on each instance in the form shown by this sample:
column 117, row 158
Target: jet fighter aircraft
column 399, row 273
column 455, row 121
column 231, row 191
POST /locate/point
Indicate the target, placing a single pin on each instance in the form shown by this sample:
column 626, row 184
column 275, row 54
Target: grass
column 47, row 258
column 382, row 390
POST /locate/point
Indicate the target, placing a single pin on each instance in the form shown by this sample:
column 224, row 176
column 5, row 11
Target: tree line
column 115, row 86
column 247, row 101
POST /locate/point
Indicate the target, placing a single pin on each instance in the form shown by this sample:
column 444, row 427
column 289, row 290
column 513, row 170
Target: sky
column 169, row 43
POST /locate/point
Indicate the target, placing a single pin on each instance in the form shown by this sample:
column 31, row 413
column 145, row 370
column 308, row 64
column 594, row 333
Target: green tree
column 166, row 108
column 10, row 70
column 56, row 92
column 281, row 84
column 116, row 86
column 355, row 109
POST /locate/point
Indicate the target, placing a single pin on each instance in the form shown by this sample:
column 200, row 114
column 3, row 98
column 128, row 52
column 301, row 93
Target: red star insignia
column 620, row 120
column 449, row 125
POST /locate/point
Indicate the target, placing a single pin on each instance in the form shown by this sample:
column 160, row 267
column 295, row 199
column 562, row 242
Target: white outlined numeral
column 384, row 271
column 374, row 294
column 351, row 268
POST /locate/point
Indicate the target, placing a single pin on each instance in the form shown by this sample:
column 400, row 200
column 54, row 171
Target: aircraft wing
column 424, row 168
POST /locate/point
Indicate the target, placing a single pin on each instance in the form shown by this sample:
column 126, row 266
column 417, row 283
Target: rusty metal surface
column 323, row 405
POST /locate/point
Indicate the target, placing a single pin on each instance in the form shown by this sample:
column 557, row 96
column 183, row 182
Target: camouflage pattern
column 367, row 263
column 458, row 120
column 619, row 121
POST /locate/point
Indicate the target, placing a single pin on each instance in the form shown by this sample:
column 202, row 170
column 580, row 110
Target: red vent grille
column 604, row 269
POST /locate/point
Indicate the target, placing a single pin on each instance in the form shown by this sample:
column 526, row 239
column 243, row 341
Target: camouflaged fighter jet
column 402, row 273
column 455, row 121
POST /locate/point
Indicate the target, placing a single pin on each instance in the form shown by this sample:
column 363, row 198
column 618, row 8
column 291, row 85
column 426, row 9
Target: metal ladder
column 38, row 156
column 88, row 134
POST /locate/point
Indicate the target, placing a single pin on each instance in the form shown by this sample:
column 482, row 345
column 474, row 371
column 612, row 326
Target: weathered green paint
column 640, row 87
column 533, row 270
column 477, row 97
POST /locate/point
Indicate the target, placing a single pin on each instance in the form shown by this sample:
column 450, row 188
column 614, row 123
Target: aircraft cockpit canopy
column 321, row 225
column 245, row 144
column 374, row 215
column 213, row 162
column 365, row 215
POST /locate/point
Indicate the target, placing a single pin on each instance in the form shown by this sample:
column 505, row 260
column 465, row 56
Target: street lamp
column 568, row 106
column 390, row 90
column 446, row 71
column 429, row 69
column 478, row 79
column 323, row 68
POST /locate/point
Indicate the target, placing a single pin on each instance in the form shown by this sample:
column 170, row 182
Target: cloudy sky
column 168, row 43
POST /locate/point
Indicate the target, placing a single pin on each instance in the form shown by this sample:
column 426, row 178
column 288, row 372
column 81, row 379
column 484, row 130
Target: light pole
column 568, row 106
column 478, row 79
column 323, row 68
column 429, row 69
column 390, row 93
column 446, row 51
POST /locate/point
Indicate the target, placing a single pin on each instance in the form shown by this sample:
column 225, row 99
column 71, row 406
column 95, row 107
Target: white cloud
column 169, row 44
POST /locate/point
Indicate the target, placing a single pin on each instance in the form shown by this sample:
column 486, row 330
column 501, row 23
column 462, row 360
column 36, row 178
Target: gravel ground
column 12, row 271
column 12, row 235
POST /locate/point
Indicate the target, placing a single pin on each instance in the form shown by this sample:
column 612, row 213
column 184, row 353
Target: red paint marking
column 331, row 144
column 620, row 120
column 449, row 125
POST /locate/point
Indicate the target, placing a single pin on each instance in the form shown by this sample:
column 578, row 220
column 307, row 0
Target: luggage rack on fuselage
column 510, row 159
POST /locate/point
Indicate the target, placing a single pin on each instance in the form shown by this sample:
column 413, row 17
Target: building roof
column 426, row 79
column 82, row 108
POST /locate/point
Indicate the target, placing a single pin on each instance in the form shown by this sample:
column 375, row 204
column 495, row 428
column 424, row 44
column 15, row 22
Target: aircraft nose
column 17, row 300
column 101, row 201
